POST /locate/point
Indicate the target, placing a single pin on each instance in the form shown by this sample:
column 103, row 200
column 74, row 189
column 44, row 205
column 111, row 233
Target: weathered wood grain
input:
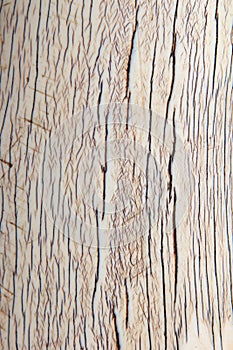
column 162, row 291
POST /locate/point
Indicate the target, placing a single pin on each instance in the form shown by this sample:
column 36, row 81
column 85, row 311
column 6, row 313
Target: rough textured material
column 160, row 291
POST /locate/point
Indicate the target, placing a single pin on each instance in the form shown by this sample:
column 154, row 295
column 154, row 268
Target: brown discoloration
column 7, row 163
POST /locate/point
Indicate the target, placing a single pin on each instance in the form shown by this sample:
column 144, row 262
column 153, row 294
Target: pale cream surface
column 161, row 290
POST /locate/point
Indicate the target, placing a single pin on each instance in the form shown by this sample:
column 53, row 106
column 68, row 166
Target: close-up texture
column 116, row 175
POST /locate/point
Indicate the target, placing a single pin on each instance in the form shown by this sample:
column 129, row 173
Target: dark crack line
column 216, row 45
column 127, row 305
column 173, row 57
column 164, row 289
column 97, row 268
column 130, row 54
column 104, row 168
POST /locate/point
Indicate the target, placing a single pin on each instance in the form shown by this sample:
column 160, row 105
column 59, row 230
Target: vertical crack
column 216, row 45
column 130, row 55
column 173, row 57
column 164, row 288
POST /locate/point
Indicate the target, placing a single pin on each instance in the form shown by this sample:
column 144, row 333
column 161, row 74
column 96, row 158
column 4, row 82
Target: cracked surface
column 163, row 291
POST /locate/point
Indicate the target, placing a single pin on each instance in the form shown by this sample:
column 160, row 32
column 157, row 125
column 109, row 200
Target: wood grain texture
column 172, row 291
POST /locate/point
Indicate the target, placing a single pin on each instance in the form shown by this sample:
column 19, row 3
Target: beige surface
column 58, row 57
